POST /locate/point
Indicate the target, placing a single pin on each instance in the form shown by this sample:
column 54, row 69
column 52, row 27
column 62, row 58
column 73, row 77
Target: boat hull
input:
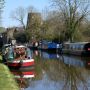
column 21, row 63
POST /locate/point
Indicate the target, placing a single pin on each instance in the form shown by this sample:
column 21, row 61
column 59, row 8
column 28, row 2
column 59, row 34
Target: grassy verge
column 7, row 81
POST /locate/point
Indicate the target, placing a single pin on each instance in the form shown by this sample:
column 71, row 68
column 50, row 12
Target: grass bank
column 7, row 81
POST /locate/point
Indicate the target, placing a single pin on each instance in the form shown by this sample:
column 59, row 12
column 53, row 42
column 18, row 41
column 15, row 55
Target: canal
column 53, row 71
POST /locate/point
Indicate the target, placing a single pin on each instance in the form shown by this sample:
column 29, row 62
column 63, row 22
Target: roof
column 19, row 46
column 7, row 45
column 76, row 43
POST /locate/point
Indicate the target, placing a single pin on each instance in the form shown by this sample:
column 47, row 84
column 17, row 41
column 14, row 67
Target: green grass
column 7, row 81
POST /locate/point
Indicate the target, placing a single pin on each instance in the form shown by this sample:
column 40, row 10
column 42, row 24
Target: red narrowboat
column 19, row 56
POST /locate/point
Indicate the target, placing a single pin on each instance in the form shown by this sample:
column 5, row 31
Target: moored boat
column 49, row 46
column 78, row 48
column 19, row 56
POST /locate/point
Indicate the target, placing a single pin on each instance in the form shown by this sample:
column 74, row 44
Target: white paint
column 25, row 76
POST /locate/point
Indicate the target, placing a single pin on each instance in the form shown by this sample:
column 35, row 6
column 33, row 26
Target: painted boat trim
column 22, row 64
column 25, row 76
column 24, row 61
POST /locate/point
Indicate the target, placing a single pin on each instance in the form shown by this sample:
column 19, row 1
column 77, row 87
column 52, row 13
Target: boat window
column 76, row 47
column 82, row 46
column 71, row 47
column 28, row 53
column 10, row 54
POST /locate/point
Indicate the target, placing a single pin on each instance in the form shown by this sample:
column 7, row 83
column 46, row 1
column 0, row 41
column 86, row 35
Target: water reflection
column 68, row 72
column 57, row 72
column 23, row 77
column 23, row 83
column 67, row 59
column 69, row 76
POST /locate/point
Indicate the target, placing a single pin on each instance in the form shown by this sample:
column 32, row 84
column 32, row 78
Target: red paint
column 23, row 73
column 23, row 64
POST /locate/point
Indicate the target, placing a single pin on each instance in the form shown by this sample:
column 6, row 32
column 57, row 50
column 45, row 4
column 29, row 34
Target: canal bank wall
column 7, row 81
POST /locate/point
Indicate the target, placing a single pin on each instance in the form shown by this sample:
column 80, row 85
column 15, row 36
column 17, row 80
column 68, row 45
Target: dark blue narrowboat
column 46, row 45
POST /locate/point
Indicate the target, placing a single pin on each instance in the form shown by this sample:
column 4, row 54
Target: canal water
column 57, row 72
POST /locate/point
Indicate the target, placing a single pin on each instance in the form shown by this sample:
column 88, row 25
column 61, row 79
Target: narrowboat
column 18, row 56
column 78, row 48
column 48, row 46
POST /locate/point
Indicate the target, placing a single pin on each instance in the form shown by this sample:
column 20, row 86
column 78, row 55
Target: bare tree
column 19, row 15
column 73, row 13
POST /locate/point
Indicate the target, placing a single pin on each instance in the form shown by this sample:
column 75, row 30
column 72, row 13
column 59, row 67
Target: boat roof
column 7, row 45
column 20, row 46
column 76, row 42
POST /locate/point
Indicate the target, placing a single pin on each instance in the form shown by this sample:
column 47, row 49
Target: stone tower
column 32, row 19
column 34, row 22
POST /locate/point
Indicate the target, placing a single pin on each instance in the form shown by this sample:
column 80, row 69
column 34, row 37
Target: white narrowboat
column 77, row 48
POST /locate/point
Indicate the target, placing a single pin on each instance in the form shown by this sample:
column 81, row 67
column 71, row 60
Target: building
column 34, row 22
column 32, row 18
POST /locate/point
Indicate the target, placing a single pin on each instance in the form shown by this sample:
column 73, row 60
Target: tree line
column 68, row 20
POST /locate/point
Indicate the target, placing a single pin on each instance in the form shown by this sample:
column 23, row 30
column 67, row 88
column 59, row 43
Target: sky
column 11, row 5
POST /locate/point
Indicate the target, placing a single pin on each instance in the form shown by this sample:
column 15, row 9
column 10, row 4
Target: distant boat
column 18, row 56
column 45, row 45
column 78, row 48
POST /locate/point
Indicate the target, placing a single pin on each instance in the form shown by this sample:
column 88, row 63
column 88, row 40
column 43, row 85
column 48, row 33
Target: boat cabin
column 75, row 46
column 17, row 53
column 78, row 48
column 22, row 52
